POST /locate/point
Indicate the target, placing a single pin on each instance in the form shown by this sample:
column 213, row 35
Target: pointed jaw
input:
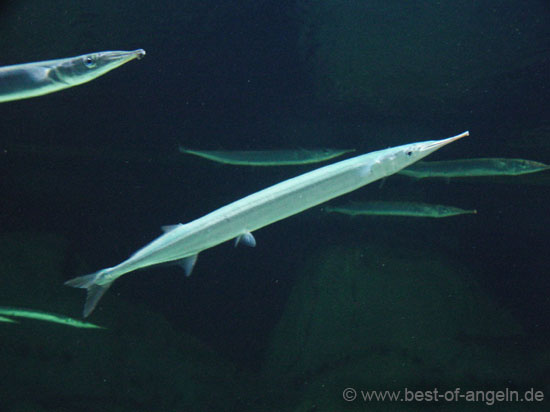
column 437, row 144
column 109, row 60
column 429, row 147
column 118, row 58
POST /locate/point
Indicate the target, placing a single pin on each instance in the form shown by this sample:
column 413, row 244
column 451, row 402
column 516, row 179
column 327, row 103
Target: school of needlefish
column 182, row 243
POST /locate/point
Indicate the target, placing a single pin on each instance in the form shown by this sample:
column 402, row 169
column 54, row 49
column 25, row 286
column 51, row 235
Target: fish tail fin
column 95, row 290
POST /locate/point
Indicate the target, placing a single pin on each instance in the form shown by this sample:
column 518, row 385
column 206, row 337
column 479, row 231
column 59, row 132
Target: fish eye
column 89, row 61
column 409, row 153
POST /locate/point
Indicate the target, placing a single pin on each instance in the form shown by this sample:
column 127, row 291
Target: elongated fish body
column 267, row 157
column 22, row 81
column 411, row 209
column 237, row 220
column 44, row 316
column 473, row 167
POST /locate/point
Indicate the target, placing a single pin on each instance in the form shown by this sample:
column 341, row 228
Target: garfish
column 182, row 243
column 44, row 316
column 22, row 81
column 474, row 167
column 412, row 209
column 267, row 157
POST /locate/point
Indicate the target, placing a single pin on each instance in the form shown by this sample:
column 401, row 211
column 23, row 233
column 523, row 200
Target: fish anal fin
column 187, row 264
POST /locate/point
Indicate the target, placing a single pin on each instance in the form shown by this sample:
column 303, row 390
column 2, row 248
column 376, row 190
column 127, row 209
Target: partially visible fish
column 43, row 316
column 473, row 167
column 22, row 81
column 411, row 209
column 267, row 157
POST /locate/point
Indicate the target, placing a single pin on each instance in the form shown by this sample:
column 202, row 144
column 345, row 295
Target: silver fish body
column 473, row 167
column 267, row 157
column 43, row 316
column 237, row 220
column 409, row 209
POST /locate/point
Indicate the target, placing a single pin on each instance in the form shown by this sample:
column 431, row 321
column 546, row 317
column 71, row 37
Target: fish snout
column 140, row 54
column 122, row 57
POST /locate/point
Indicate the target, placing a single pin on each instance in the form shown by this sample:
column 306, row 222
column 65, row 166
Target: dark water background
column 98, row 163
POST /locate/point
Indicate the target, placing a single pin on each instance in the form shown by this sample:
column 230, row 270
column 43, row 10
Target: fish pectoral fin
column 169, row 228
column 246, row 239
column 188, row 263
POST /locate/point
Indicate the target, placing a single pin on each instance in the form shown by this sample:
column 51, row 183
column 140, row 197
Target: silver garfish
column 183, row 242
column 473, row 167
column 267, row 157
column 411, row 209
column 22, row 81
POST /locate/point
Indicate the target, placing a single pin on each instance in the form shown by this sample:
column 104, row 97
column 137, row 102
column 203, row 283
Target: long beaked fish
column 473, row 167
column 267, row 157
column 183, row 242
column 22, row 81
column 45, row 316
column 410, row 209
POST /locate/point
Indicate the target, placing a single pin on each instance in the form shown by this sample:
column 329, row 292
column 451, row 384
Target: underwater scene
column 263, row 206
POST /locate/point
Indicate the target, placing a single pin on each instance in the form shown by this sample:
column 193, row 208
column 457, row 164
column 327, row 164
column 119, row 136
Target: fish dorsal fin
column 169, row 228
column 246, row 239
column 188, row 263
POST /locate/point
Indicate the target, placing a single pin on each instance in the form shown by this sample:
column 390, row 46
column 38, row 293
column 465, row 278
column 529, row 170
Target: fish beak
column 140, row 53
column 122, row 57
column 440, row 143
